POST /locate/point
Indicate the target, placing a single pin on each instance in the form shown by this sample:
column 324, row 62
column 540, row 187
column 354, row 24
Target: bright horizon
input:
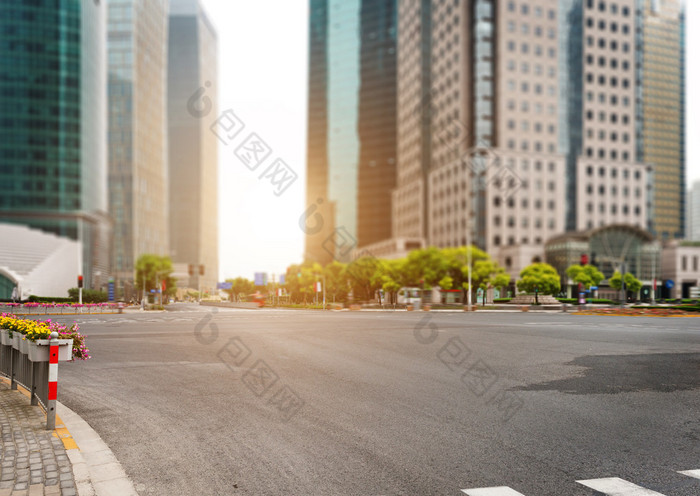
column 263, row 70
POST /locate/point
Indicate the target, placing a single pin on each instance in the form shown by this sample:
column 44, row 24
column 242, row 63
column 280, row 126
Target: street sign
column 110, row 290
column 224, row 285
column 260, row 279
column 593, row 288
column 282, row 278
column 669, row 284
column 319, row 288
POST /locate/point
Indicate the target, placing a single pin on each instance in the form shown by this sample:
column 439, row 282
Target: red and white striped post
column 53, row 383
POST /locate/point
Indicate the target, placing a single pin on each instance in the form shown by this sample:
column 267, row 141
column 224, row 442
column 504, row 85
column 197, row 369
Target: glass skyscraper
column 53, row 168
column 193, row 157
column 352, row 124
column 138, row 174
column 662, row 109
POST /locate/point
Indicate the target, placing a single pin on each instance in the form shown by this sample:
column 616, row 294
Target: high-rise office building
column 53, row 164
column 612, row 183
column 518, row 120
column 352, row 124
column 193, row 158
column 663, row 111
column 138, row 179
column 479, row 160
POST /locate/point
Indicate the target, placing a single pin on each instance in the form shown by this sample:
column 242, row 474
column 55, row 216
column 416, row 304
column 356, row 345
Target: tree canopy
column 631, row 282
column 588, row 275
column 153, row 270
column 540, row 276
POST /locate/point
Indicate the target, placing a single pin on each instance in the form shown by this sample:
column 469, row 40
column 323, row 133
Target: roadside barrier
column 36, row 370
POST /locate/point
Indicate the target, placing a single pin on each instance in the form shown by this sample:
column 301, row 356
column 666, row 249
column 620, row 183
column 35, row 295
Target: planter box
column 5, row 336
column 409, row 308
column 39, row 350
column 16, row 338
column 23, row 345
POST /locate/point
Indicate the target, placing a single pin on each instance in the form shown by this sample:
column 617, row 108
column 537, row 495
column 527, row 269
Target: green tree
column 632, row 284
column 542, row 276
column 336, row 281
column 392, row 276
column 426, row 264
column 457, row 260
column 588, row 275
column 488, row 274
column 152, row 270
column 364, row 277
column 240, row 288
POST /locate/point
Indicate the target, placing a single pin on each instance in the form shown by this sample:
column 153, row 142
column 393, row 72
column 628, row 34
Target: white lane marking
column 492, row 491
column 691, row 473
column 614, row 486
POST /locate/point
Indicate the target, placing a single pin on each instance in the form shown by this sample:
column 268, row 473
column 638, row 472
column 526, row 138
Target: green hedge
column 502, row 300
column 48, row 299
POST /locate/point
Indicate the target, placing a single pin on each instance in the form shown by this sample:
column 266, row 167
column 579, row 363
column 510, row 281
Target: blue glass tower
column 351, row 165
column 53, row 124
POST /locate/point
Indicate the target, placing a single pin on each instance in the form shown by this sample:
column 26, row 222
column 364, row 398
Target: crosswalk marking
column 691, row 473
column 492, row 491
column 614, row 486
column 610, row 486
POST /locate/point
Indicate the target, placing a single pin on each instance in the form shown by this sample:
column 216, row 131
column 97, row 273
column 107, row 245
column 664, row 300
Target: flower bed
column 35, row 330
column 46, row 308
column 640, row 312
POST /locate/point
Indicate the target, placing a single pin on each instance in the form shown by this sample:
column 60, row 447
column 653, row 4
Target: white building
column 692, row 231
column 36, row 263
column 680, row 263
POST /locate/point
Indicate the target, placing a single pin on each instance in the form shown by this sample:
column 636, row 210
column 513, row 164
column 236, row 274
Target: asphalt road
column 272, row 402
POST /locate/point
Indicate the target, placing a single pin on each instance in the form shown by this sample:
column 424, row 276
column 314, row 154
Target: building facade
column 612, row 185
column 663, row 115
column 138, row 175
column 478, row 98
column 680, row 261
column 351, row 151
column 544, row 117
column 693, row 212
column 53, row 164
column 192, row 152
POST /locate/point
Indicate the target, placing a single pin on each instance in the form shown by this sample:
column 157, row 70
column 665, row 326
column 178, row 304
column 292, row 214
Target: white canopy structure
column 36, row 262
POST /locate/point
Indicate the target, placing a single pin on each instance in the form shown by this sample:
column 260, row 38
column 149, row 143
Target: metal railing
column 58, row 310
column 32, row 376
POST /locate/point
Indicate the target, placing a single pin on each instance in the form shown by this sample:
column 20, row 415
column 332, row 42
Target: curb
column 96, row 470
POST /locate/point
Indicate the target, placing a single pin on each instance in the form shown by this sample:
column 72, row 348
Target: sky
column 263, row 61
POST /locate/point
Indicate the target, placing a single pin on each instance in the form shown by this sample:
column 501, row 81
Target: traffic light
column 201, row 270
column 584, row 259
column 80, row 281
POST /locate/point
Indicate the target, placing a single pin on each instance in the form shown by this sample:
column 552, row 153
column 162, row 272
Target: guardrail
column 48, row 309
column 40, row 378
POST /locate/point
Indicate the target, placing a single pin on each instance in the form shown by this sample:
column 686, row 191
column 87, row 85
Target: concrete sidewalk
column 70, row 460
